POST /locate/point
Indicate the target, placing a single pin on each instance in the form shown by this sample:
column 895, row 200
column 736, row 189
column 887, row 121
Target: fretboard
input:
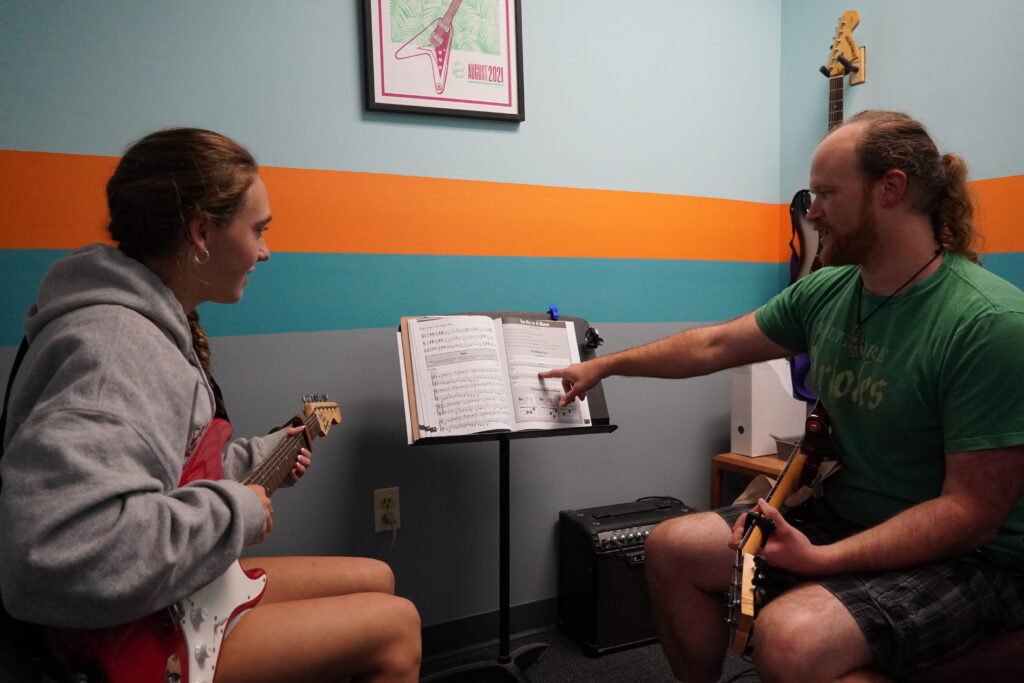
column 274, row 469
column 835, row 101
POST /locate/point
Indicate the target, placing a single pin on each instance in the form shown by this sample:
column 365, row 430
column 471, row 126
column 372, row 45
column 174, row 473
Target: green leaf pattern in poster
column 475, row 29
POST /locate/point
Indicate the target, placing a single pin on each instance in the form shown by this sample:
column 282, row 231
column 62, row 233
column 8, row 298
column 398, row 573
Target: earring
column 205, row 259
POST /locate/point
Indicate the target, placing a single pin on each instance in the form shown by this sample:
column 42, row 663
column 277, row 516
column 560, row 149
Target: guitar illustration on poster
column 438, row 47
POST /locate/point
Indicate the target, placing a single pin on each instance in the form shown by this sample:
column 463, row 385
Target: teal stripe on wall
column 1009, row 266
column 314, row 292
column 20, row 273
column 317, row 292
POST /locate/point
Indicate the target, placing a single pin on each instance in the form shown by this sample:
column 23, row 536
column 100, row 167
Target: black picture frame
column 444, row 57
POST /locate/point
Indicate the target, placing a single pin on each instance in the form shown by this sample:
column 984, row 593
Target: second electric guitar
column 745, row 594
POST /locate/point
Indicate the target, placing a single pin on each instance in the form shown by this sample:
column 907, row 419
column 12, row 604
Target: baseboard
column 452, row 637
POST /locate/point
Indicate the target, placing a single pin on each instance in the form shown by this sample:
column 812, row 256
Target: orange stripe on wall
column 998, row 214
column 53, row 201
column 56, row 201
column 377, row 213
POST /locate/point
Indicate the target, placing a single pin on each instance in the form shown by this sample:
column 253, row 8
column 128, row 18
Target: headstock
column 845, row 56
column 326, row 412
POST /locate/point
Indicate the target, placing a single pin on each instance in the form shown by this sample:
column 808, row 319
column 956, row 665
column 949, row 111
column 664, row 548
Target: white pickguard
column 207, row 615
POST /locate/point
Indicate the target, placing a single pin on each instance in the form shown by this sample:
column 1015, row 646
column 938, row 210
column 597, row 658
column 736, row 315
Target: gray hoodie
column 94, row 530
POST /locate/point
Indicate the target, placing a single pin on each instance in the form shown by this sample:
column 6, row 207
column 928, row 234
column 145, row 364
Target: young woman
column 113, row 397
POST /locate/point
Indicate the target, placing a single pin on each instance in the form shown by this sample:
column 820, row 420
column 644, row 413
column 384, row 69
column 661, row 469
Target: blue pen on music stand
column 553, row 311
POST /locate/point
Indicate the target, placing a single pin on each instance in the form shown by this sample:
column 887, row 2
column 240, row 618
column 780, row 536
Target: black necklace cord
column 855, row 342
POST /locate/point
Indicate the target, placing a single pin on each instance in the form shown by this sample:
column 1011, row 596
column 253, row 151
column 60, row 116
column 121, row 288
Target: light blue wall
column 617, row 97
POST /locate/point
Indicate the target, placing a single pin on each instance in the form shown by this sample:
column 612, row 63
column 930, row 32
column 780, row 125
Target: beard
column 851, row 247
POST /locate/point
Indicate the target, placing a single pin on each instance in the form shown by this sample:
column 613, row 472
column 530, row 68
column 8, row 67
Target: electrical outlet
column 386, row 514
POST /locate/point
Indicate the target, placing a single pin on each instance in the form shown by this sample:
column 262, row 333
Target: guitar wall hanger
column 850, row 67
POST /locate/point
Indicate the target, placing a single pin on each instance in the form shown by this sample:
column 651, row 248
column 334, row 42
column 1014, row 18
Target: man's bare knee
column 693, row 547
column 806, row 635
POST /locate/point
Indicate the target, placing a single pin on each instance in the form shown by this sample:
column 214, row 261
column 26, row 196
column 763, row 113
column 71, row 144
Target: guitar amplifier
column 602, row 593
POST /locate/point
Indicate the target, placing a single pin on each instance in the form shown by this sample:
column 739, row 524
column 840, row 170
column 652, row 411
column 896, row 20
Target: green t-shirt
column 941, row 371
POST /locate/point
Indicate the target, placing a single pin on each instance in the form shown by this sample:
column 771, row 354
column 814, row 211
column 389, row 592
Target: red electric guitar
column 801, row 469
column 181, row 644
column 438, row 47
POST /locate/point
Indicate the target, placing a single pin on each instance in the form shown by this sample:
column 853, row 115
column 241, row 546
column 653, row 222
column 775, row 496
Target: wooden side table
column 751, row 466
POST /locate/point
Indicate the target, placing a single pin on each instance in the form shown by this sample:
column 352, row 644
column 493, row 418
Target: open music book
column 470, row 374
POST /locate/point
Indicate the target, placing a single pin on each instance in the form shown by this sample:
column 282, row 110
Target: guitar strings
column 264, row 472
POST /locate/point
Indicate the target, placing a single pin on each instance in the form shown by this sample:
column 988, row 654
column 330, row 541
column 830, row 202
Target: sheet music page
column 459, row 375
column 532, row 346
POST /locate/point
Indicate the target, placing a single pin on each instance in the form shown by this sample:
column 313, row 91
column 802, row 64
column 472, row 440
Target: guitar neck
column 801, row 469
column 273, row 471
column 835, row 101
column 786, row 484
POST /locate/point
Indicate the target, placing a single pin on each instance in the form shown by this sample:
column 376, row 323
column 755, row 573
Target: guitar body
column 179, row 643
column 805, row 237
column 182, row 642
column 147, row 649
column 206, row 461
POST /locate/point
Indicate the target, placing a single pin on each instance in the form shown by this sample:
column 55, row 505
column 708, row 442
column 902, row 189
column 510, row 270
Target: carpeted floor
column 565, row 662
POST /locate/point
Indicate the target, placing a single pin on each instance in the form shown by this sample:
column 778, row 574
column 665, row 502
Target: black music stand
column 511, row 666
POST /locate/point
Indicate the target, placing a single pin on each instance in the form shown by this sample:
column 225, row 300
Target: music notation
column 476, row 374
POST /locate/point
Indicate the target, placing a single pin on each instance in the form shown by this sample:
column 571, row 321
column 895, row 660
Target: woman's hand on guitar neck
column 786, row 548
column 305, row 457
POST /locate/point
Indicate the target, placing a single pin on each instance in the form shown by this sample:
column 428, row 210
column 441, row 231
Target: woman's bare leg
column 324, row 619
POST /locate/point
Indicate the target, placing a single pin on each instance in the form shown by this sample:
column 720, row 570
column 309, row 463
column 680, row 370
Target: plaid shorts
column 912, row 618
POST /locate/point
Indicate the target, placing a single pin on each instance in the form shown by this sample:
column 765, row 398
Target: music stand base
column 496, row 671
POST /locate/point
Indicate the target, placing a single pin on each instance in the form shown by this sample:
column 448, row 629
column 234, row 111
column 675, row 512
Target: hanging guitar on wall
column 845, row 58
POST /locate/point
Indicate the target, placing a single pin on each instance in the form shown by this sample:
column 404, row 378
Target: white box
column 763, row 406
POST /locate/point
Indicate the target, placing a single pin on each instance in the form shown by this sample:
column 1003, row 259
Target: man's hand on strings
column 786, row 548
column 577, row 380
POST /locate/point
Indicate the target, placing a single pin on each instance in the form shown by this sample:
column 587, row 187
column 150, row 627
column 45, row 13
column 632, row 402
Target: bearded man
column 915, row 551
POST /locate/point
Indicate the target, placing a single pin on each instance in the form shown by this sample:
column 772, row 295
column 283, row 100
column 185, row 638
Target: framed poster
column 450, row 57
